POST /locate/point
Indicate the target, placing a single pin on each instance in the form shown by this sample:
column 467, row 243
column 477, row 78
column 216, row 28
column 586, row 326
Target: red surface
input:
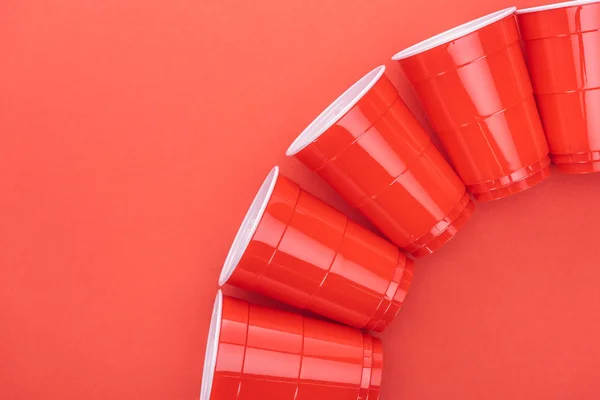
column 309, row 255
column 377, row 156
column 562, row 51
column 133, row 136
column 270, row 354
column 477, row 94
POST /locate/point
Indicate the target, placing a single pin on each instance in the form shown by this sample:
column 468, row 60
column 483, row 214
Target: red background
column 133, row 136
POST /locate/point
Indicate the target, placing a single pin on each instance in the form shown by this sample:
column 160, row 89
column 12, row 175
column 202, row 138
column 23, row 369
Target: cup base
column 518, row 181
column 393, row 303
column 445, row 230
column 579, row 168
column 580, row 163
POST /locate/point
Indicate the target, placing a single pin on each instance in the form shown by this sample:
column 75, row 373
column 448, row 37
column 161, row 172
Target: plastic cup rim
column 556, row 6
column 336, row 110
column 453, row 33
column 212, row 348
column 248, row 226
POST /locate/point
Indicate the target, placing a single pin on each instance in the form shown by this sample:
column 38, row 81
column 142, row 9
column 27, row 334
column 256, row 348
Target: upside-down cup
column 255, row 352
column 473, row 84
column 370, row 148
column 562, row 48
column 297, row 249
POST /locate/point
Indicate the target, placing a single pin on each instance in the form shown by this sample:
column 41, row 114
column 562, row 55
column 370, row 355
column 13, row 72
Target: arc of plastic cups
column 562, row 48
column 295, row 248
column 255, row 352
column 473, row 83
column 370, row 148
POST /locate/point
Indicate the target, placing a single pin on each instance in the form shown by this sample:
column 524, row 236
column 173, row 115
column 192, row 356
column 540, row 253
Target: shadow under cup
column 562, row 48
column 474, row 86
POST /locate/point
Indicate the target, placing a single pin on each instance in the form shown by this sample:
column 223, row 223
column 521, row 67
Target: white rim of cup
column 212, row 347
column 453, row 34
column 248, row 226
column 335, row 110
column 556, row 5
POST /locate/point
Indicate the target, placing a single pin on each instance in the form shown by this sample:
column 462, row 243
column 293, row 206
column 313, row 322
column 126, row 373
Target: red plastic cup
column 562, row 49
column 255, row 352
column 473, row 84
column 295, row 248
column 370, row 148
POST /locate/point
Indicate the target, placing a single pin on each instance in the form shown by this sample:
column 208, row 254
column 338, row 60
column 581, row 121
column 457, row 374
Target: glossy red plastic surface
column 476, row 92
column 307, row 254
column 269, row 354
column 562, row 48
column 231, row 349
column 378, row 157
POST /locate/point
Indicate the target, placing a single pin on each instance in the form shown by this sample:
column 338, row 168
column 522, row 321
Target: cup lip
column 212, row 347
column 453, row 33
column 555, row 6
column 248, row 226
column 336, row 110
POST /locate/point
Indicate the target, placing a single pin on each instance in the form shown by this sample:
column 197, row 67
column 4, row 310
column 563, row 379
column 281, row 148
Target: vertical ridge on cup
column 371, row 151
column 274, row 354
column 365, row 381
column 474, row 86
column 305, row 253
column 397, row 294
column 333, row 362
column 561, row 43
column 376, row 370
column 394, row 297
